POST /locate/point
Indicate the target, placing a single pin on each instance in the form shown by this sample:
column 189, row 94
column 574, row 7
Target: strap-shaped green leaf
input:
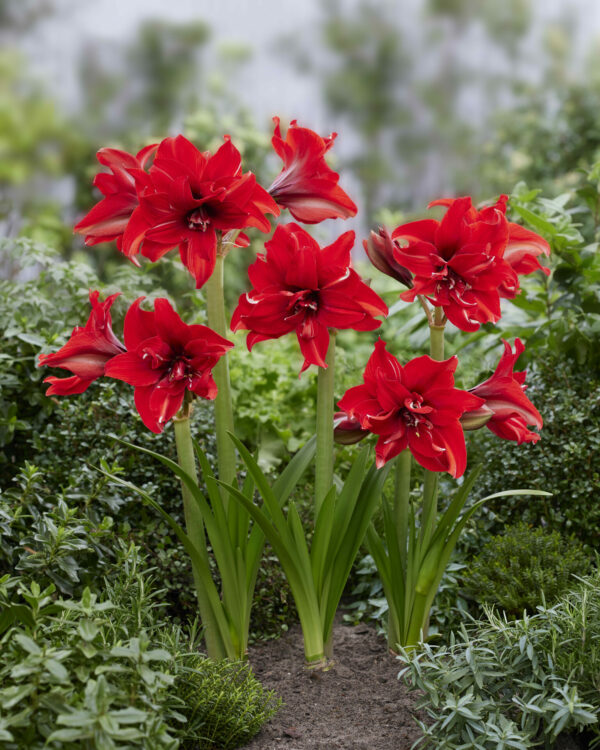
column 335, row 578
column 220, row 623
column 289, row 477
column 345, row 505
column 321, row 538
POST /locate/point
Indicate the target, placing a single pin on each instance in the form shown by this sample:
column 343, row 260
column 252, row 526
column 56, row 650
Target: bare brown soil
column 358, row 704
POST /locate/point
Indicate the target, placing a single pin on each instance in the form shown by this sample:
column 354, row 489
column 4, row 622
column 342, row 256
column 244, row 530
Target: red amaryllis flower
column 504, row 395
column 307, row 186
column 380, row 251
column 87, row 351
column 191, row 197
column 109, row 217
column 458, row 262
column 523, row 246
column 165, row 357
column 298, row 286
column 415, row 407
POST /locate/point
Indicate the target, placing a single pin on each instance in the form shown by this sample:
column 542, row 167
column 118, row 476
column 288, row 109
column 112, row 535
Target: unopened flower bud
column 380, row 250
column 473, row 420
column 346, row 430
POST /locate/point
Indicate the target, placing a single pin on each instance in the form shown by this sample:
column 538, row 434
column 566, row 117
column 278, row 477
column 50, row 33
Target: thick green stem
column 402, row 501
column 417, row 629
column 324, row 456
column 195, row 530
column 430, row 488
column 215, row 303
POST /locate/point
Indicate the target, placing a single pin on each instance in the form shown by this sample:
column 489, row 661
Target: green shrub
column 224, row 704
column 566, row 461
column 514, row 684
column 84, row 672
column 525, row 567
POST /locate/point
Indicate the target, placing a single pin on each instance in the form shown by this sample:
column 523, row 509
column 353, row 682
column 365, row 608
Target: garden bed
column 358, row 704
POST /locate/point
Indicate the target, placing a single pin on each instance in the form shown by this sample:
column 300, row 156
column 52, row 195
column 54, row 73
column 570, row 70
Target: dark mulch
column 358, row 704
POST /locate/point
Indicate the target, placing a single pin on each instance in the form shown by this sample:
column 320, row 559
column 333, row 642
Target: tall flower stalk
column 325, row 401
column 215, row 308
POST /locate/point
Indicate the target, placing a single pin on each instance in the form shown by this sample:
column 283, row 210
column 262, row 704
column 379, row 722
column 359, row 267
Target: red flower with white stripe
column 299, row 286
column 193, row 198
column 467, row 261
column 414, row 406
column 504, row 395
column 108, row 219
column 165, row 357
column 86, row 353
column 307, row 185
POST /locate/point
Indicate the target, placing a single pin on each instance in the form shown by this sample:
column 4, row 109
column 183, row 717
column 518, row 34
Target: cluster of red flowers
column 171, row 195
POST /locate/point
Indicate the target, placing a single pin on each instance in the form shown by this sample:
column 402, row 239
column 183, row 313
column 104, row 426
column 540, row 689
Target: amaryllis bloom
column 87, row 351
column 504, row 395
column 380, row 251
column 307, row 186
column 190, row 198
column 298, row 286
column 458, row 262
column 523, row 246
column 165, row 357
column 109, row 217
column 414, row 406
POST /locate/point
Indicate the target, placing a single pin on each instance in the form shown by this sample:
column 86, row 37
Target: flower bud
column 473, row 420
column 380, row 250
column 347, row 431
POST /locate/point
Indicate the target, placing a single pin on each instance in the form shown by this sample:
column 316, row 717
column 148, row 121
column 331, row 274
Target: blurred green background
column 430, row 97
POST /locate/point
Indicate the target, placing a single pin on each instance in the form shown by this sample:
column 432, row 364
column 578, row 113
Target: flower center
column 199, row 219
column 181, row 369
column 303, row 302
column 414, row 412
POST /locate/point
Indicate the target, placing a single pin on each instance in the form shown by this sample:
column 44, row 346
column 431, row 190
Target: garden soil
column 358, row 704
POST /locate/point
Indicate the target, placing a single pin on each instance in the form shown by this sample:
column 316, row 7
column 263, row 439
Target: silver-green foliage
column 514, row 684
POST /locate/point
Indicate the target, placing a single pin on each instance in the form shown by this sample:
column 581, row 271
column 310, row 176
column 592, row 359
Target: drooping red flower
column 165, row 357
column 86, row 353
column 458, row 262
column 414, row 406
column 504, row 394
column 307, row 186
column 298, row 286
column 192, row 196
column 108, row 219
column 380, row 251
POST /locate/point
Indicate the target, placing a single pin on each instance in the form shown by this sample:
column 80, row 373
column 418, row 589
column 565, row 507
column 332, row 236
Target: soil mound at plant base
column 358, row 704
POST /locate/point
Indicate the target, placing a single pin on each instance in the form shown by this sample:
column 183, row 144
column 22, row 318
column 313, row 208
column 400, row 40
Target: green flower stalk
column 215, row 304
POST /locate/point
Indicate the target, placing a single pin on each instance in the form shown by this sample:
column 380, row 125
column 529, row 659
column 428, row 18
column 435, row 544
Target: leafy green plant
column 107, row 671
column 224, row 704
column 237, row 544
column 514, row 684
column 317, row 576
column 524, row 568
column 569, row 398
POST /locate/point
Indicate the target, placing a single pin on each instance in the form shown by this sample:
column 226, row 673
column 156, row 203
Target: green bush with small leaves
column 565, row 461
column 525, row 567
column 514, row 684
column 88, row 656
column 224, row 704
